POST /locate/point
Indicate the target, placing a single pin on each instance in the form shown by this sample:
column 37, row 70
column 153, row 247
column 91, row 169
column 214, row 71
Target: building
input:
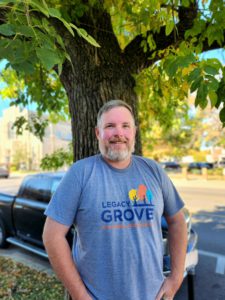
column 26, row 151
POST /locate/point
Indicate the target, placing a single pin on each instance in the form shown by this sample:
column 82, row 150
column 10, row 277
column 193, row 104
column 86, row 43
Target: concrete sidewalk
column 201, row 183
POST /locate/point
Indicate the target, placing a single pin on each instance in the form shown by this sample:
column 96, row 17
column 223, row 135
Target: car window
column 37, row 188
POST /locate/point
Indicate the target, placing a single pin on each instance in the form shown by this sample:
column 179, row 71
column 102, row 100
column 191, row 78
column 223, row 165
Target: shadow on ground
column 210, row 227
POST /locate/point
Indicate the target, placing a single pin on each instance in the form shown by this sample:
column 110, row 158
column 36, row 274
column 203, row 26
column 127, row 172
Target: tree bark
column 88, row 89
column 94, row 79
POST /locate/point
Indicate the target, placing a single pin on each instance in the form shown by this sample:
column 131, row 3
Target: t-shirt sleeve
column 172, row 200
column 65, row 201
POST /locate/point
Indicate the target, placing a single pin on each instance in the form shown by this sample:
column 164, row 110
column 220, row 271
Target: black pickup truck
column 22, row 218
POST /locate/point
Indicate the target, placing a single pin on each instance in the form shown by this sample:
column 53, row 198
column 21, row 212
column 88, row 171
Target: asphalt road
column 206, row 201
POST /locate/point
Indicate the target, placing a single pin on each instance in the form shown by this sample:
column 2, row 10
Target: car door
column 29, row 208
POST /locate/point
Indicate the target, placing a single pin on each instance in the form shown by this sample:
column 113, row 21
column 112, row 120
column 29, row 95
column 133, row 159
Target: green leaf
column 48, row 58
column 171, row 66
column 202, row 95
column 83, row 33
column 45, row 4
column 185, row 3
column 6, row 2
column 24, row 30
column 53, row 12
column 196, row 84
column 213, row 83
column 169, row 27
column 151, row 42
column 194, row 75
column 24, row 67
column 67, row 25
column 36, row 4
column 185, row 61
column 60, row 42
column 222, row 115
column 7, row 30
column 213, row 97
column 210, row 70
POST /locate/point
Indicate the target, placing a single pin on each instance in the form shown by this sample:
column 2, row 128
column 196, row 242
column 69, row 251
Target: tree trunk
column 98, row 75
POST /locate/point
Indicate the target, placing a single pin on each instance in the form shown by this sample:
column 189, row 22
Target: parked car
column 22, row 216
column 200, row 166
column 22, row 219
column 4, row 172
column 171, row 166
column 221, row 164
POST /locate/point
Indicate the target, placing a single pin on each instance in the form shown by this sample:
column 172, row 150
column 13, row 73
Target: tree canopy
column 114, row 49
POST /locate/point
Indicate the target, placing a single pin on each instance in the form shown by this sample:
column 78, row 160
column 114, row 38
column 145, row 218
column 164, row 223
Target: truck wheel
column 3, row 242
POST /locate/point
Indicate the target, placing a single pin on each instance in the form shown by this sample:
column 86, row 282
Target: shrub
column 19, row 282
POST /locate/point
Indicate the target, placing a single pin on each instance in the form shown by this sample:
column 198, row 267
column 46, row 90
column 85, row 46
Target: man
column 116, row 201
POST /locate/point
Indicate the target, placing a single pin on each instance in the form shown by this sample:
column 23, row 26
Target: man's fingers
column 160, row 295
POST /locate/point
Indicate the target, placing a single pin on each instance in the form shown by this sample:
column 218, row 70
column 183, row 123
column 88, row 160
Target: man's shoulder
column 87, row 160
column 85, row 163
column 142, row 159
column 148, row 163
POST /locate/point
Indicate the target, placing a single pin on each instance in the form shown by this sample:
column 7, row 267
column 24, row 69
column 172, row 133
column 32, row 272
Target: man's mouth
column 117, row 142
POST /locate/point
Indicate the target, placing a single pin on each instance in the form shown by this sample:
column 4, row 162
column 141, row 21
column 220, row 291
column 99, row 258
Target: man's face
column 116, row 134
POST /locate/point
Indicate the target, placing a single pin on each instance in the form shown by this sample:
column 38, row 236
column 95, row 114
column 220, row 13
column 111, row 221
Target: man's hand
column 85, row 296
column 168, row 289
column 177, row 238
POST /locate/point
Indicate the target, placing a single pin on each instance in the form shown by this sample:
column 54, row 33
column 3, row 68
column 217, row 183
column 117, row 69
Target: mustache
column 117, row 140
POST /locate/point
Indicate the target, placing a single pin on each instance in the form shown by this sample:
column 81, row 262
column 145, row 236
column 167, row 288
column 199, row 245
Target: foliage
column 19, row 157
column 161, row 105
column 20, row 282
column 41, row 91
column 181, row 65
column 35, row 40
column 57, row 159
column 163, row 39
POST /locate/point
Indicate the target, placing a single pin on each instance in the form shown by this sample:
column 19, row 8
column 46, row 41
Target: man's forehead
column 117, row 114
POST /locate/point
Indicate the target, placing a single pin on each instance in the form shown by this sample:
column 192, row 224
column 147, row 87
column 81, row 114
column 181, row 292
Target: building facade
column 26, row 151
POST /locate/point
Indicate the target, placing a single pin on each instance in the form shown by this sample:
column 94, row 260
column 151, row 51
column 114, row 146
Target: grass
column 19, row 282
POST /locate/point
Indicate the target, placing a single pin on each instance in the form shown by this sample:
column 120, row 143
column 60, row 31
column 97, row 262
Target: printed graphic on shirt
column 141, row 197
column 136, row 211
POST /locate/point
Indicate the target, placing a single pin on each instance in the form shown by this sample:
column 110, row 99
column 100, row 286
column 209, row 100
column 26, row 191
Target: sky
column 220, row 54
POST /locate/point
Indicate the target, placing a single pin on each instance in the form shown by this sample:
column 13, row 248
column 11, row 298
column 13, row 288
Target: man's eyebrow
column 109, row 123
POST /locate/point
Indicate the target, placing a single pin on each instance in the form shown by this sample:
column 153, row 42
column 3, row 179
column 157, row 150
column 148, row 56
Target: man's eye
column 109, row 126
column 126, row 126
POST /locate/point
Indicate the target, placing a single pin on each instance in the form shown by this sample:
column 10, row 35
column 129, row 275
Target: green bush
column 215, row 171
column 19, row 282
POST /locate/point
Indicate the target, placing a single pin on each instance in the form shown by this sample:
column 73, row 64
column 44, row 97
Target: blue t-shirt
column 117, row 215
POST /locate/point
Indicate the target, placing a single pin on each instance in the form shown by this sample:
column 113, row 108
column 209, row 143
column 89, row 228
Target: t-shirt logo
column 141, row 197
column 134, row 211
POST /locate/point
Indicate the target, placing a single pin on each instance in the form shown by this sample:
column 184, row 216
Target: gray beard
column 116, row 155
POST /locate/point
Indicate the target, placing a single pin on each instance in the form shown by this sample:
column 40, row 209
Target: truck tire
column 3, row 242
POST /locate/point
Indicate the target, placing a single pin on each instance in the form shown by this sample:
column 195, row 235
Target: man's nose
column 118, row 131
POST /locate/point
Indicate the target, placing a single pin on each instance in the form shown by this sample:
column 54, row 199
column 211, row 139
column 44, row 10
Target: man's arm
column 177, row 236
column 57, row 247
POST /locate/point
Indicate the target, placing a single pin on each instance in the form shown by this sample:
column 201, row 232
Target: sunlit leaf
column 7, row 29
column 49, row 58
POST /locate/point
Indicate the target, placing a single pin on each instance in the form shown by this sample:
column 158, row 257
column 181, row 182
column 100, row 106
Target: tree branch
column 138, row 60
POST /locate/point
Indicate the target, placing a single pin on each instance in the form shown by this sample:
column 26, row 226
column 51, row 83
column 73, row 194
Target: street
column 206, row 202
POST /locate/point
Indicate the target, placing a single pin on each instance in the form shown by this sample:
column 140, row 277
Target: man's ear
column 97, row 132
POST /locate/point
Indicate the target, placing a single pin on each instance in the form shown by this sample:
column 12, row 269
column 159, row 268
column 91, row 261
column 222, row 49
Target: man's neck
column 118, row 164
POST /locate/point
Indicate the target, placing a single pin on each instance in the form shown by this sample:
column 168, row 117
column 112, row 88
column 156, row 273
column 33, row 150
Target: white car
column 4, row 172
